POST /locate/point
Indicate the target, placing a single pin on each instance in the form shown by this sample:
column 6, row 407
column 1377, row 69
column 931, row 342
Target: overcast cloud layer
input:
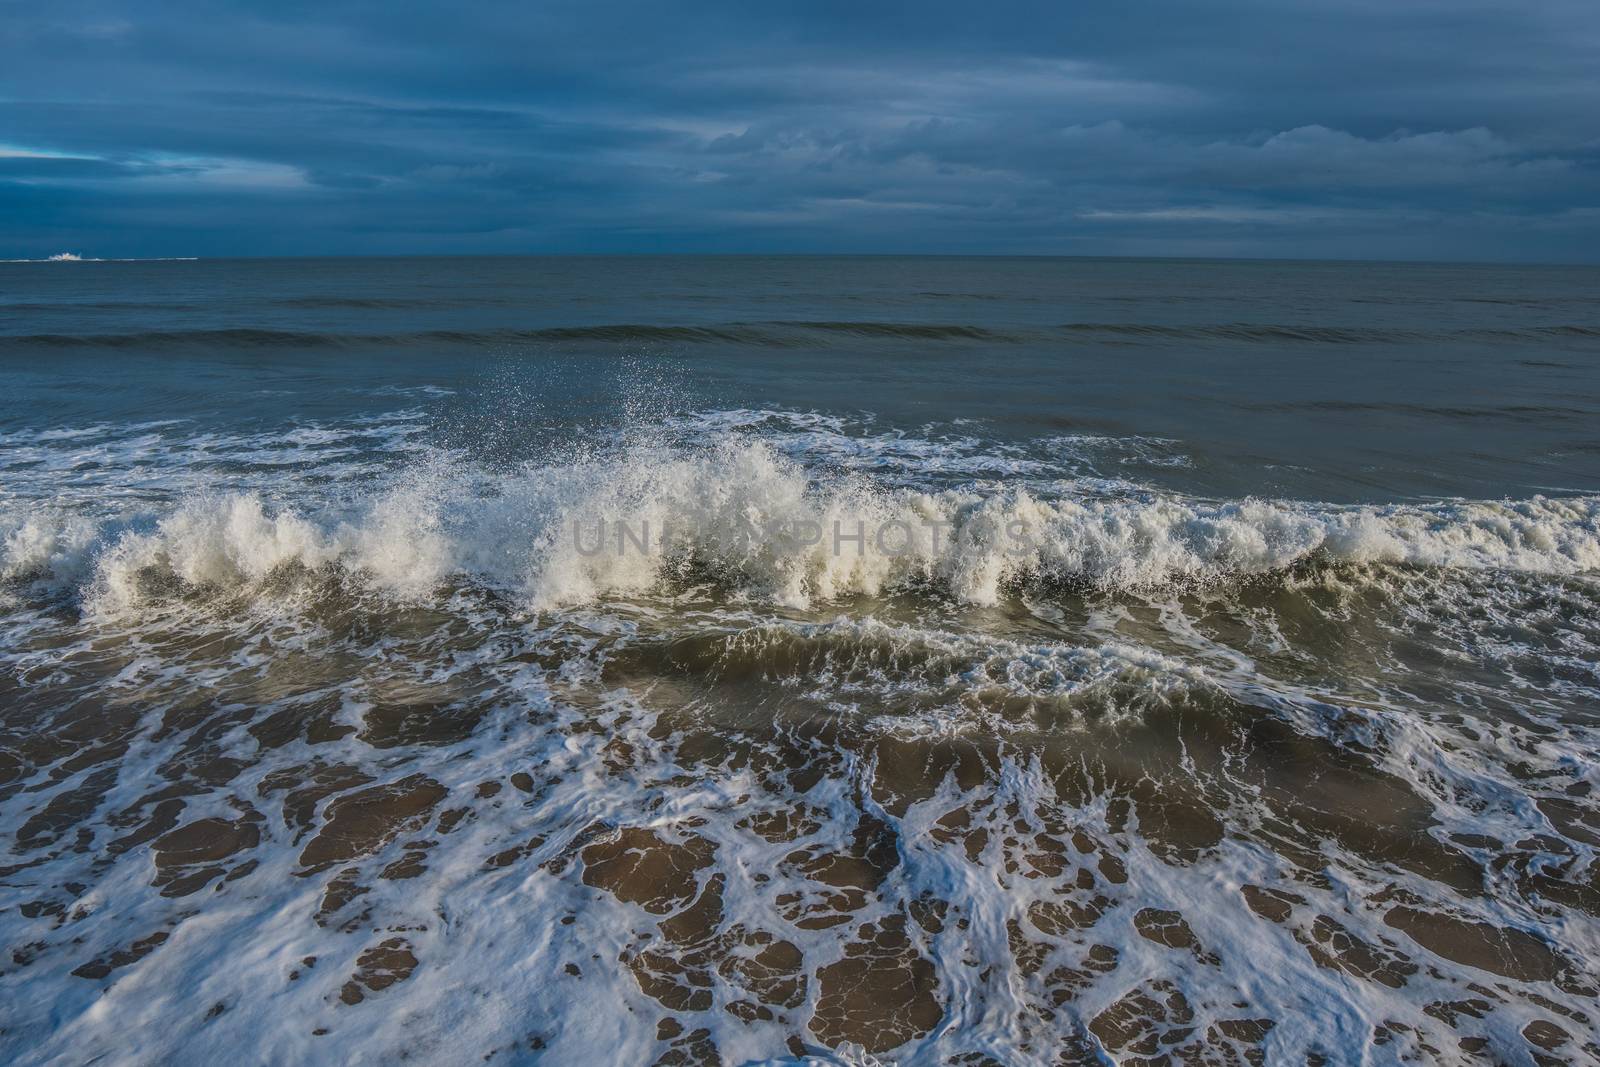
column 1434, row 129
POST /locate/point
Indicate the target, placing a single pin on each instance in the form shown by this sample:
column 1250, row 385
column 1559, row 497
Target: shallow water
column 1045, row 660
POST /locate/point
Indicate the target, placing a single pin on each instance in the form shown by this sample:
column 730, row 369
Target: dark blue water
column 1337, row 381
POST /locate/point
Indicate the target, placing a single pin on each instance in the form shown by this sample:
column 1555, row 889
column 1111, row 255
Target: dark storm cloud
column 1468, row 129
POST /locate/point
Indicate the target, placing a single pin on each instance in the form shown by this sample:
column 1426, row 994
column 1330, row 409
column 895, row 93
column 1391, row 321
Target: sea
column 781, row 660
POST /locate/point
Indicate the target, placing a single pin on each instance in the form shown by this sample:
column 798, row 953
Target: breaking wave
column 758, row 524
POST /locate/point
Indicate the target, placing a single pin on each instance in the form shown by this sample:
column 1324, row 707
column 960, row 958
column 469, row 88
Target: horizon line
column 266, row 257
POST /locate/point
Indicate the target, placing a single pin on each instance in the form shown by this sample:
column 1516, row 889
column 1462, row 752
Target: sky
column 1384, row 129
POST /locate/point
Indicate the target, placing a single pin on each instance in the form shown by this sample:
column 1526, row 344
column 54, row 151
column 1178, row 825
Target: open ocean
column 746, row 660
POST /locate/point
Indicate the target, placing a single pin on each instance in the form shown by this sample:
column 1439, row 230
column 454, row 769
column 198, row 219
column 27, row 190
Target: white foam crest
column 402, row 541
column 761, row 526
column 47, row 545
column 398, row 543
column 217, row 541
